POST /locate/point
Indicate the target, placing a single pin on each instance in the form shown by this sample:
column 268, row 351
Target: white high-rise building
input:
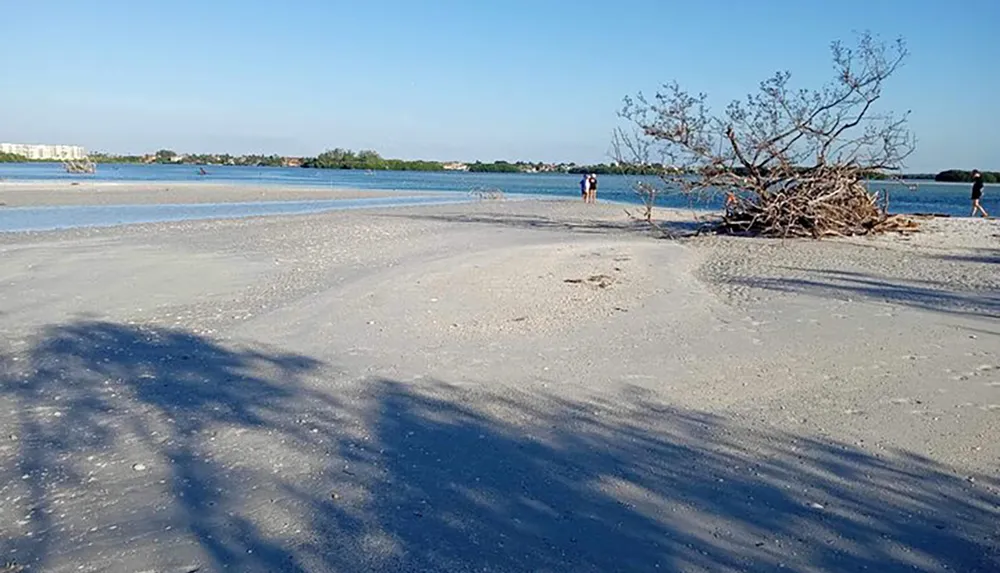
column 43, row 152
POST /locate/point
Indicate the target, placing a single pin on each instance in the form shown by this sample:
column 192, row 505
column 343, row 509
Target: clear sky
column 460, row 79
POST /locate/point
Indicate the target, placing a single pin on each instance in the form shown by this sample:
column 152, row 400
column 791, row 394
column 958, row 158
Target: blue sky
column 450, row 79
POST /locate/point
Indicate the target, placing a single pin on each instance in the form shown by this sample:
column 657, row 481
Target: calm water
column 19, row 219
column 951, row 199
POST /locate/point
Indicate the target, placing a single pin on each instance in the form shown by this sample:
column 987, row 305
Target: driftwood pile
column 817, row 207
column 795, row 158
column 80, row 166
column 487, row 194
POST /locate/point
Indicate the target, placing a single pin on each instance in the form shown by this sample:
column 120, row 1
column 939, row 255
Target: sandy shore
column 501, row 386
column 37, row 194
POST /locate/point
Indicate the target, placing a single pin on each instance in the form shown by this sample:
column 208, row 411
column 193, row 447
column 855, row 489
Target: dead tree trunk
column 791, row 162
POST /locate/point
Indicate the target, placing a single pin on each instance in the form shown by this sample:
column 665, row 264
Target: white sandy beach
column 498, row 386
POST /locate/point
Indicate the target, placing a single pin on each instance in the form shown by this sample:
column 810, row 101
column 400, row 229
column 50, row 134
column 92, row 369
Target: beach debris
column 487, row 194
column 139, row 467
column 834, row 202
column 599, row 281
column 788, row 162
column 82, row 166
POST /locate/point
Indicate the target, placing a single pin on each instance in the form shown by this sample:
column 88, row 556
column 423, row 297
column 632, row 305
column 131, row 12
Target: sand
column 501, row 386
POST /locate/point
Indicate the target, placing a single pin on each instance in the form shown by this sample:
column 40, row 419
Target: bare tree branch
column 792, row 162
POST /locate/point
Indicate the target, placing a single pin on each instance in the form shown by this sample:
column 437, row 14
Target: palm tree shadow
column 110, row 414
column 631, row 485
column 148, row 448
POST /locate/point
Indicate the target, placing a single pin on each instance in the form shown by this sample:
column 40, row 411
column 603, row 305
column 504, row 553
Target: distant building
column 43, row 152
column 455, row 167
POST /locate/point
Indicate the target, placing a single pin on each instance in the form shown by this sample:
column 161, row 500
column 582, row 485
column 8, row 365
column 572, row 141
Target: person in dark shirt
column 592, row 189
column 977, row 194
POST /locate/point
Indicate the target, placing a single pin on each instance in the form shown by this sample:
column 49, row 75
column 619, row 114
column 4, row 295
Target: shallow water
column 920, row 197
column 20, row 219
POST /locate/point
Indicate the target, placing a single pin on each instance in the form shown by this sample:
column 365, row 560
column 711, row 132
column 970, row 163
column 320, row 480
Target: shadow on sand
column 576, row 225
column 987, row 256
column 921, row 294
column 257, row 462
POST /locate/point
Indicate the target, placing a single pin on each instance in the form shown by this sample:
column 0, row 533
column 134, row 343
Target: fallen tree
column 789, row 162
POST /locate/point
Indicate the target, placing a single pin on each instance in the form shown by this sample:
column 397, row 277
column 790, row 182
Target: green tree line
column 497, row 167
column 610, row 169
column 109, row 158
column 241, row 160
column 166, row 156
column 368, row 160
column 12, row 158
column 961, row 176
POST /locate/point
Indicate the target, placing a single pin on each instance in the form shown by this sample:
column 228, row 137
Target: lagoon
column 21, row 219
column 917, row 197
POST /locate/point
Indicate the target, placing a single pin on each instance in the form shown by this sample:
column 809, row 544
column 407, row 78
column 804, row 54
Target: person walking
column 977, row 194
column 592, row 191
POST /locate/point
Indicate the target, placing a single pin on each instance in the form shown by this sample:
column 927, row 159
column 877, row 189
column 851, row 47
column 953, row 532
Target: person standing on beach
column 585, row 187
column 592, row 191
column 977, row 194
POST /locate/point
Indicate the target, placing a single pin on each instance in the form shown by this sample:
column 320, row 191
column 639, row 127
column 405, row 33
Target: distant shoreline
column 906, row 178
column 34, row 184
column 496, row 167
